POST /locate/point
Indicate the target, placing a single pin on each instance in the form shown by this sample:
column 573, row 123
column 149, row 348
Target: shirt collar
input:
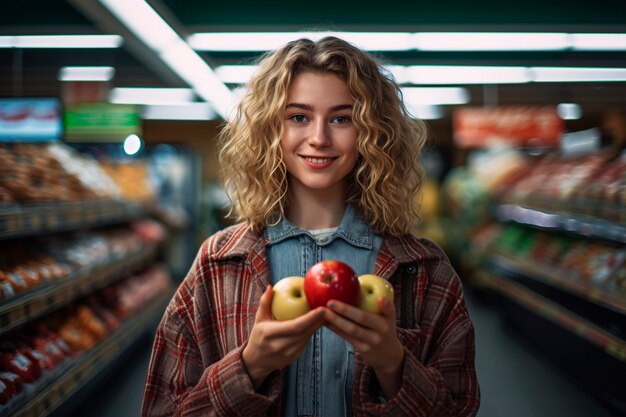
column 353, row 229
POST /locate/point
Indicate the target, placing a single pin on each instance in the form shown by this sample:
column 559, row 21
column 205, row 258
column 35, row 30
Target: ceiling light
column 424, row 41
column 151, row 29
column 439, row 74
column 569, row 111
column 425, row 112
column 86, row 73
column 235, row 74
column 61, row 41
column 151, row 95
column 494, row 41
column 598, row 41
column 577, row 74
column 191, row 111
column 435, row 95
column 144, row 22
column 267, row 41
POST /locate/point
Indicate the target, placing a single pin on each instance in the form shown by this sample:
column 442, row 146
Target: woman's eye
column 341, row 119
column 299, row 118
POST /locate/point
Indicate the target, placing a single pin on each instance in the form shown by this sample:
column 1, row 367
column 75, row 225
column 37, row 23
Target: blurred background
column 109, row 181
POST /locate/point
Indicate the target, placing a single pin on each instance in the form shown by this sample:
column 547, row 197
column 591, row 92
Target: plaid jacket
column 196, row 367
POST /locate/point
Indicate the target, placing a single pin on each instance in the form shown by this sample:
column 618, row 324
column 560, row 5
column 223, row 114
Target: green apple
column 372, row 288
column 289, row 300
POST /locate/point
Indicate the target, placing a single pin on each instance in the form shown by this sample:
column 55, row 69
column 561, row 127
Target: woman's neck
column 313, row 211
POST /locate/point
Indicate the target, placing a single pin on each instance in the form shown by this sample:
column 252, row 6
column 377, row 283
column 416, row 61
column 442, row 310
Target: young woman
column 323, row 163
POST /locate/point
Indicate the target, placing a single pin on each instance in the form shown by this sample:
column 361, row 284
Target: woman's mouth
column 318, row 162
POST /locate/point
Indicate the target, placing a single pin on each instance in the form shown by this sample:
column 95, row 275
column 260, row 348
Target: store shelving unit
column 31, row 221
column 580, row 323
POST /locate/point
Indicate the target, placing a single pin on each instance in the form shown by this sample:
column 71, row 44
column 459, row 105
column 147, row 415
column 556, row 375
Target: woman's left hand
column 374, row 337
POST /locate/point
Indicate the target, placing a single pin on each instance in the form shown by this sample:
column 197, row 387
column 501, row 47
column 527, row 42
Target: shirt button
column 337, row 373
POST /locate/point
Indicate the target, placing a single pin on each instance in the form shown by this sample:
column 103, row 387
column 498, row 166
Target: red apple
column 289, row 301
column 331, row 280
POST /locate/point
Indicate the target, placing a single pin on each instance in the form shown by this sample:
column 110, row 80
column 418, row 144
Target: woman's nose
column 319, row 134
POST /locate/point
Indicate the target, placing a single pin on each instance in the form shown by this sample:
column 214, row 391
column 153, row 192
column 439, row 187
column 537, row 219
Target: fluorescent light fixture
column 144, row 22
column 423, row 41
column 191, row 111
column 267, row 41
column 569, row 111
column 157, row 35
column 598, row 41
column 235, row 74
column 490, row 41
column 61, row 41
column 123, row 95
column 435, row 95
column 425, row 112
column 439, row 74
column 86, row 73
column 449, row 75
column 577, row 74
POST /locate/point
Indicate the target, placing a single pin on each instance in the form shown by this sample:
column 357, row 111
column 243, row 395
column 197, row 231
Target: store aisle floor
column 515, row 380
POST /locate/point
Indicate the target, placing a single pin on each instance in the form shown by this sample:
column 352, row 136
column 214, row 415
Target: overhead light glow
column 435, row 95
column 125, row 95
column 144, row 22
column 494, row 41
column 151, row 29
column 132, row 144
column 61, row 41
column 569, row 111
column 267, row 41
column 439, row 74
column 191, row 111
column 577, row 74
column 421, row 41
column 598, row 41
column 458, row 74
column 425, row 112
column 86, row 73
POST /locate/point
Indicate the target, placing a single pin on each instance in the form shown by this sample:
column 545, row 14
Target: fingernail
column 332, row 305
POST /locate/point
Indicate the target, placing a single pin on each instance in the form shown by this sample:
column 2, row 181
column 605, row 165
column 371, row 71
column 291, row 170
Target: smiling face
column 319, row 137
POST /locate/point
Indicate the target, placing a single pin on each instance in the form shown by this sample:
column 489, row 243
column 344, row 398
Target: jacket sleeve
column 439, row 377
column 178, row 383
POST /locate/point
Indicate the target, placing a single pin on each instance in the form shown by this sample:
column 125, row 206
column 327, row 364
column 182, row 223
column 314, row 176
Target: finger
column 350, row 330
column 304, row 325
column 264, row 312
column 355, row 314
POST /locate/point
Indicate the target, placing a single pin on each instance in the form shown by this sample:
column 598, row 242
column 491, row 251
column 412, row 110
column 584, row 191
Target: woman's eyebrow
column 310, row 108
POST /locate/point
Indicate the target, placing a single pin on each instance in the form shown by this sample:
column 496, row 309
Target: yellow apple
column 372, row 288
column 289, row 301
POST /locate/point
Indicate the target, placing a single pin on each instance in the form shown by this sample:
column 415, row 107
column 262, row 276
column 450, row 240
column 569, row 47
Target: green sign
column 101, row 122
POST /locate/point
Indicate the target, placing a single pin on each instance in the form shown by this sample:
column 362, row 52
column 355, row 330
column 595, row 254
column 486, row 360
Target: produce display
column 28, row 264
column 325, row 281
column 35, row 355
column 593, row 263
column 51, row 173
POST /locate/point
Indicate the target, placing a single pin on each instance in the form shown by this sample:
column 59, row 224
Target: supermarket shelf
column 46, row 298
column 557, row 314
column 30, row 220
column 608, row 298
column 89, row 364
column 578, row 224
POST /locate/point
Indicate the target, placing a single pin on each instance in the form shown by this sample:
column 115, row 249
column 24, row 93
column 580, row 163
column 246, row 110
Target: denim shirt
column 320, row 381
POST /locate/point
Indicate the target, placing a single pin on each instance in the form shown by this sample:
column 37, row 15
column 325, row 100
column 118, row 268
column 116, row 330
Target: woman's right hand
column 275, row 344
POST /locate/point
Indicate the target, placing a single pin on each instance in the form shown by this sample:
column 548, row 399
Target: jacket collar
column 353, row 229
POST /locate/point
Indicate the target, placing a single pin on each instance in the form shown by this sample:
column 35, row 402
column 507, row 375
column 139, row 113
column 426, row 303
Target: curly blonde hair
column 387, row 177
